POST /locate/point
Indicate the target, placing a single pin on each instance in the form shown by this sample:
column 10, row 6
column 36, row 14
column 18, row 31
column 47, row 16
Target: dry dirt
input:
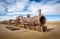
column 52, row 33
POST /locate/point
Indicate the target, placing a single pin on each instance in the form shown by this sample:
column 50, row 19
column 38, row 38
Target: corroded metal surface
column 42, row 20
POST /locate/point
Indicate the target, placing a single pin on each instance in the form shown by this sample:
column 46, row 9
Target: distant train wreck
column 32, row 23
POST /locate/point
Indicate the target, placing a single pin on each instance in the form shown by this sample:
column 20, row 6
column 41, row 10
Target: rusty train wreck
column 32, row 23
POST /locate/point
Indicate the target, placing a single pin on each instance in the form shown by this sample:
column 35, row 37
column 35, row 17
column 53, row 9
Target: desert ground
column 52, row 33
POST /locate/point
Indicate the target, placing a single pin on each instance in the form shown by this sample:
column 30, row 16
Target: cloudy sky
column 9, row 9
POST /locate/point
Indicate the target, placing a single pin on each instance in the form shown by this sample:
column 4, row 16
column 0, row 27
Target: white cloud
column 33, row 7
column 3, row 18
column 46, row 8
column 50, row 7
column 10, row 1
column 50, row 1
column 2, row 8
column 18, row 6
column 19, row 13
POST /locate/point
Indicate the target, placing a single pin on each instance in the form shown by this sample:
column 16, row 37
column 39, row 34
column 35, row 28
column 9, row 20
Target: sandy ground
column 53, row 33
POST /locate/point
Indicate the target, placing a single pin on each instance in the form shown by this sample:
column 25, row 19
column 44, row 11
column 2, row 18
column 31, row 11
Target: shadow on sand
column 50, row 29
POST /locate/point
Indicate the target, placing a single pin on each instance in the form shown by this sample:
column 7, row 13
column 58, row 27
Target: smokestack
column 39, row 15
column 39, row 12
column 28, row 15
